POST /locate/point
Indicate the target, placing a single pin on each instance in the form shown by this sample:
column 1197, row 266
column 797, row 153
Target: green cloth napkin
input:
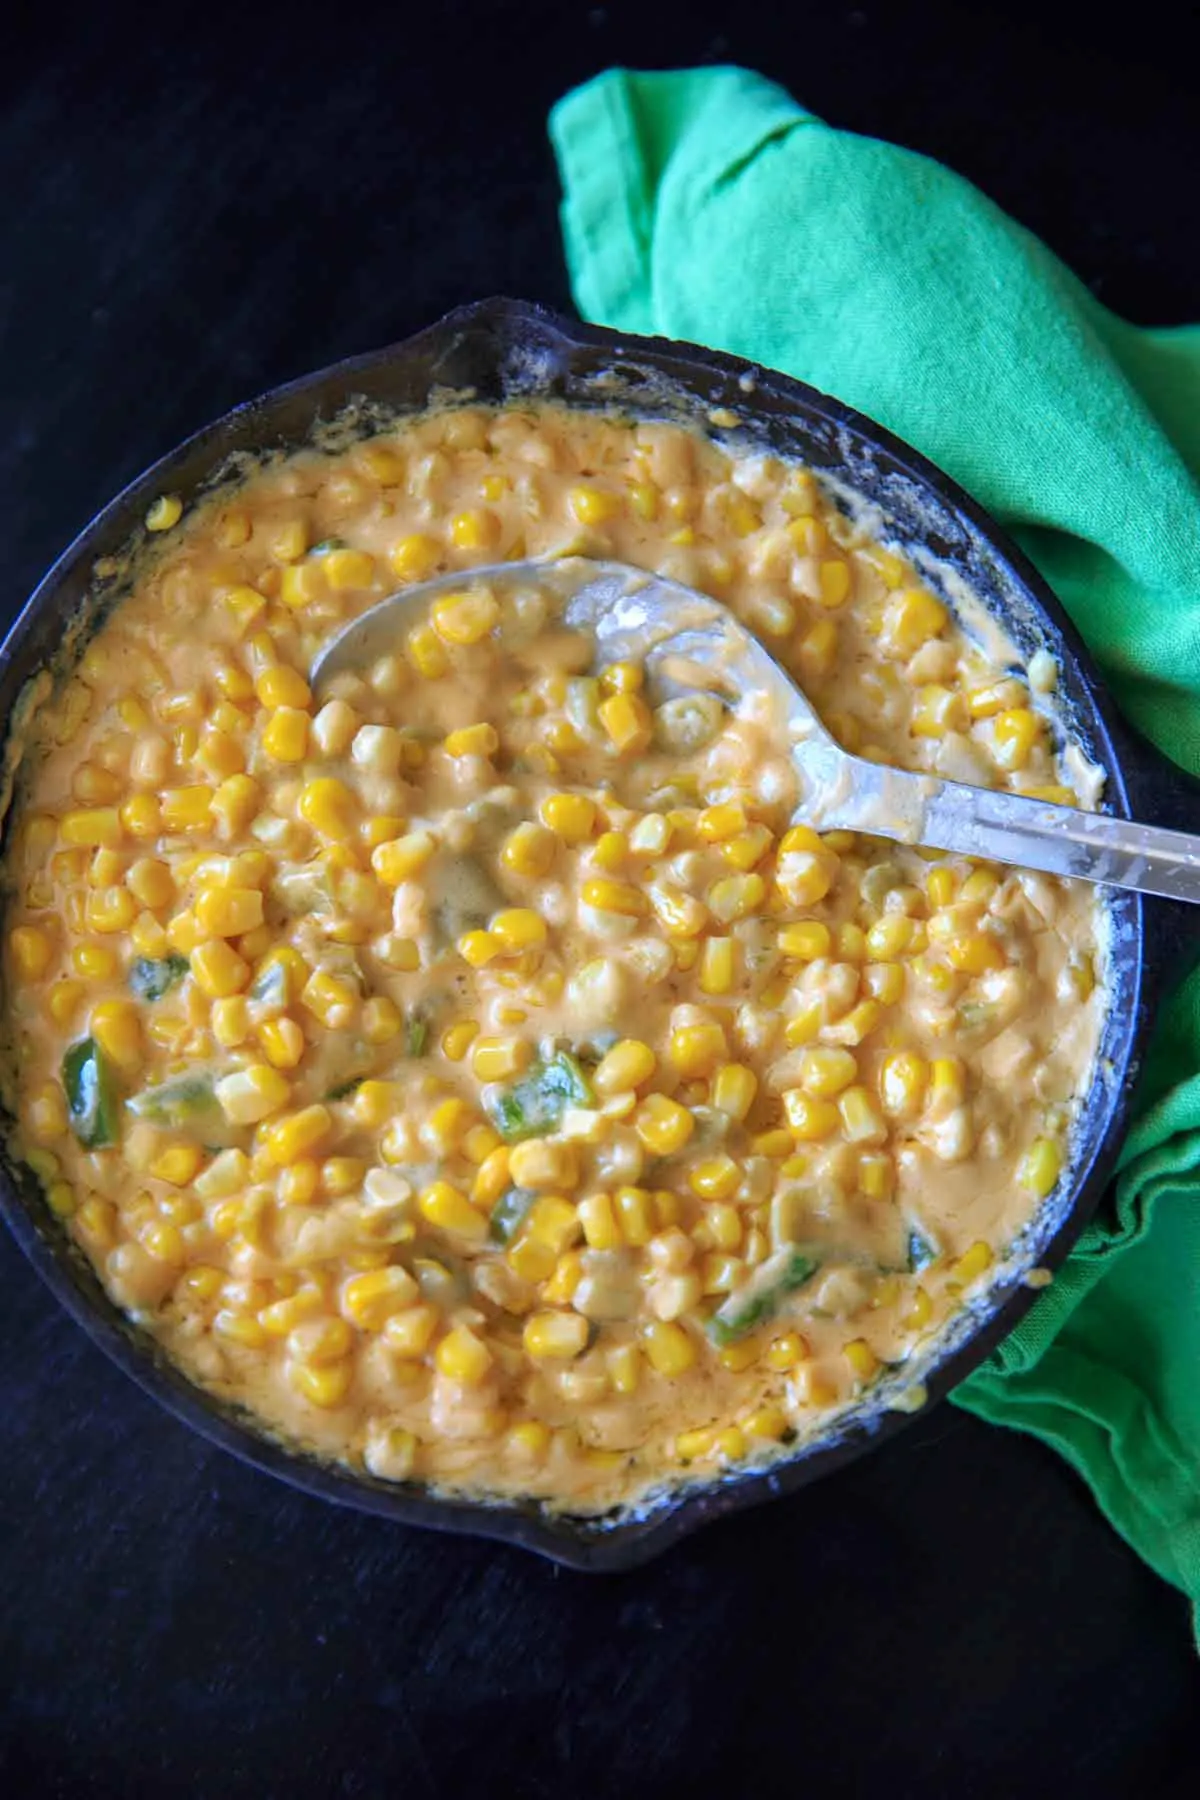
column 708, row 205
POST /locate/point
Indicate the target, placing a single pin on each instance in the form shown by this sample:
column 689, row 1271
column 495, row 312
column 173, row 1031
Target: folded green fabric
column 708, row 205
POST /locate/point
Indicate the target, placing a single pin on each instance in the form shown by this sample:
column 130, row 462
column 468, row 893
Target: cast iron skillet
column 503, row 350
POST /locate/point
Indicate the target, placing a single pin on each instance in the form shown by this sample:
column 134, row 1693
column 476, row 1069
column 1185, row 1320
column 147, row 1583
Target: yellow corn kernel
column 414, row 557
column 724, row 1225
column 457, row 1039
column 553, row 1223
column 148, row 937
column 884, row 983
column 478, row 948
column 691, row 1446
column 91, row 828
column 862, row 1359
column 463, row 1356
column 116, row 1026
column 448, row 1208
column 743, row 1355
column 570, row 817
column 717, row 966
column 598, row 1217
column 668, row 1208
column 861, row 1119
column 663, row 1125
column 716, row 1178
column 736, row 897
column 281, row 685
column 281, row 1317
column 554, row 1336
column 32, row 951
column 151, row 882
column 472, row 740
column 669, row 1350
column 1040, row 1167
column 626, row 1066
column 491, row 1177
column 806, row 940
column 95, row 962
column 1014, row 735
column 624, row 1366
column 285, row 735
column 911, row 617
column 614, row 897
column 936, row 711
column 529, row 850
column 920, row 1311
column 634, row 1210
column 47, row 1114
column 465, row 618
column 535, row 1262
column 500, row 1058
column 408, row 1333
column 593, row 505
column 327, row 1386
column 940, row 885
column 677, row 912
column 825, row 1071
column 218, row 970
column 426, row 653
column 717, row 824
column 975, row 954
column 282, row 1041
column 903, row 1080
column 972, row 1264
column 889, row 937
column 345, row 569
column 330, row 808
column 177, row 1164
column 809, row 1118
column 110, row 909
column 518, row 928
column 63, row 1000
column 447, row 1125
column 979, row 887
column 733, row 1089
column 786, row 1351
column 235, row 802
column 834, row 583
column 187, row 809
column 104, row 869
column 769, row 1422
column 164, row 512
column 627, row 720
column 947, row 1085
column 229, row 912
column 545, row 1165
column 294, row 1135
column 95, row 786
column 876, row 1175
column 141, row 816
column 403, row 857
column 696, row 1050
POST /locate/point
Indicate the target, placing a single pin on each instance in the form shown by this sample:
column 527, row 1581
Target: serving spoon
column 690, row 643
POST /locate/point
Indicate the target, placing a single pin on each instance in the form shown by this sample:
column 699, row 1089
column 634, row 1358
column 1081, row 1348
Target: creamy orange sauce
column 487, row 919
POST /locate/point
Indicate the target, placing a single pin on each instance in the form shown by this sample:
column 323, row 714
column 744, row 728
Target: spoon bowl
column 689, row 642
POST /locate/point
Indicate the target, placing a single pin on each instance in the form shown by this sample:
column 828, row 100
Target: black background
column 194, row 205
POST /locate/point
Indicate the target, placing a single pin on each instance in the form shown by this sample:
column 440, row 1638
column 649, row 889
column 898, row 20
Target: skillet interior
column 499, row 351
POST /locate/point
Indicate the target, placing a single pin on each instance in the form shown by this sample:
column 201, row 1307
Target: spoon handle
column 1009, row 828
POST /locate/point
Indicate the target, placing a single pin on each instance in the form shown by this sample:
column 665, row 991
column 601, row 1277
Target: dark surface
column 188, row 217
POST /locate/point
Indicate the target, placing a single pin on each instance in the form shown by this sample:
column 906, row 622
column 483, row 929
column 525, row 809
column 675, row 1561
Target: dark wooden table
column 193, row 206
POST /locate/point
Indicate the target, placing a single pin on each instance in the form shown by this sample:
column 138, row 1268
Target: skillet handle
column 1162, row 793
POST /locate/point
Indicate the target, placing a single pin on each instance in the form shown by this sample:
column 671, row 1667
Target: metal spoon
column 690, row 642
